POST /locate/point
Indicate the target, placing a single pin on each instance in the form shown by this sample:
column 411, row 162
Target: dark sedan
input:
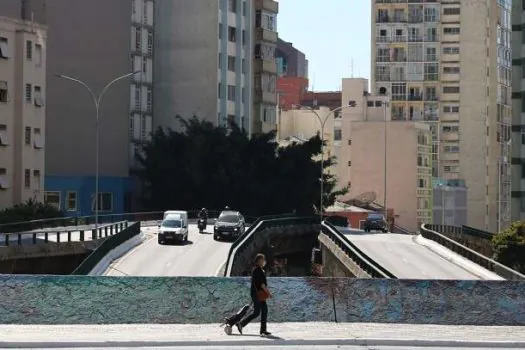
column 229, row 225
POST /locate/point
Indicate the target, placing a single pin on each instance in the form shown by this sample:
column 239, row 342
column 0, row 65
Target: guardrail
column 362, row 260
column 402, row 230
column 109, row 244
column 489, row 264
column 260, row 224
column 66, row 234
column 464, row 229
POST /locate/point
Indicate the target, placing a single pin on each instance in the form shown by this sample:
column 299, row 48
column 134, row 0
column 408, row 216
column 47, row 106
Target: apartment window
column 4, row 48
column 431, row 71
column 244, row 8
column 451, row 70
column 145, row 13
column 450, row 109
column 338, row 135
column 431, row 54
column 144, row 65
column 219, row 91
column 451, row 11
column 370, row 103
column 138, row 38
column 150, row 43
column 38, row 54
column 231, row 63
column 3, row 135
column 231, row 92
column 52, row 198
column 450, row 128
column 451, row 149
column 451, row 89
column 399, row 91
column 232, row 34
column 266, row 20
column 523, row 137
column 243, row 94
column 243, row 64
column 71, row 201
column 382, row 73
column 243, row 37
column 138, row 103
column 3, row 91
column 105, row 202
column 421, row 183
column 149, row 99
column 431, row 14
column 27, row 135
column 232, row 6
column 383, row 55
column 39, row 101
column 27, row 178
column 452, row 50
column 29, row 50
column 451, row 168
column 451, row 30
column 36, row 175
column 220, row 30
column 37, row 140
column 349, row 163
column 29, row 93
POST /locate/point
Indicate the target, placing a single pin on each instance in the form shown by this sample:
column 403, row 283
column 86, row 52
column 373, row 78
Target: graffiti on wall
column 118, row 300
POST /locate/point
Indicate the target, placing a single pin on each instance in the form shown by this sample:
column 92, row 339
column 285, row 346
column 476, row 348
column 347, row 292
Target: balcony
column 382, row 19
column 266, row 97
column 266, row 66
column 265, row 35
column 268, row 5
column 415, row 97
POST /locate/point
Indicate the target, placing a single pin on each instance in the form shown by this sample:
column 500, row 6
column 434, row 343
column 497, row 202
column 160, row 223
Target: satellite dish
column 365, row 198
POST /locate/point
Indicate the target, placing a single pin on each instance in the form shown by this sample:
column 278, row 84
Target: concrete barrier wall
column 114, row 300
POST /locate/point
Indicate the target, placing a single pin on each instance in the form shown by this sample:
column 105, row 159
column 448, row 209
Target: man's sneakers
column 239, row 327
column 265, row 333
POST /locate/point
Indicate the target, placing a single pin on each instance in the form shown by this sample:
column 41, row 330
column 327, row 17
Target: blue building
column 75, row 195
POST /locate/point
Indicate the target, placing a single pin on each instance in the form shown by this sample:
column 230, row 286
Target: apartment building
column 216, row 60
column 402, row 166
column 518, row 111
column 291, row 62
column 23, row 87
column 448, row 64
column 95, row 49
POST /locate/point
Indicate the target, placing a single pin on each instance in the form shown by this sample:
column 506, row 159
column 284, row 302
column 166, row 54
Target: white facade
column 22, row 111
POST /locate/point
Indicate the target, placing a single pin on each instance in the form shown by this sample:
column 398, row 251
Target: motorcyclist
column 203, row 214
column 226, row 208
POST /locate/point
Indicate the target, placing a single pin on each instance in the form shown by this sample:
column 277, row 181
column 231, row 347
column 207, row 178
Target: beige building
column 448, row 64
column 22, row 111
column 359, row 146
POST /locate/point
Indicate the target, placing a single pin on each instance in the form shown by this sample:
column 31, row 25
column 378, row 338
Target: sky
column 332, row 34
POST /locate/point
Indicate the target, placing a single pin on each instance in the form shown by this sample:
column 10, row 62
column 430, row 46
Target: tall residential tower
column 448, row 63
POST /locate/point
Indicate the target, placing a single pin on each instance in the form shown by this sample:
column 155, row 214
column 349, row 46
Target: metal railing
column 362, row 260
column 487, row 263
column 260, row 224
column 464, row 229
column 63, row 235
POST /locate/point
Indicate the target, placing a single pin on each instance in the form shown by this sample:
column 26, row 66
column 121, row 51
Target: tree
column 206, row 166
column 509, row 246
column 27, row 211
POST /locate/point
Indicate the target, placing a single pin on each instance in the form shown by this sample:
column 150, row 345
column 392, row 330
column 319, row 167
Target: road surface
column 285, row 335
column 405, row 258
column 200, row 256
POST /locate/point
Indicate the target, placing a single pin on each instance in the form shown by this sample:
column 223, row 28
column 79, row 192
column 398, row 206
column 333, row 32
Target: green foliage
column 208, row 166
column 29, row 210
column 509, row 246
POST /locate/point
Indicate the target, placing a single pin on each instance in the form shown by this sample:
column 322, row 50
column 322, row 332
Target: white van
column 174, row 226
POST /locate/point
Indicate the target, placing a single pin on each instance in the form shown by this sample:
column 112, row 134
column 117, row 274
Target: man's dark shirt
column 258, row 279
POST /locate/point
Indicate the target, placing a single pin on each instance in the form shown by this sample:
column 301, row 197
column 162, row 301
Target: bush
column 509, row 246
column 28, row 211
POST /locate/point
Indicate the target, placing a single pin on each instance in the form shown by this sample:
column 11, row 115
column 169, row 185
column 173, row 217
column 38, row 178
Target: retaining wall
column 114, row 300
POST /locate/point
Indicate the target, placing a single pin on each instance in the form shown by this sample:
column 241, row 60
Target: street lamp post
column 96, row 101
column 385, row 105
column 322, row 122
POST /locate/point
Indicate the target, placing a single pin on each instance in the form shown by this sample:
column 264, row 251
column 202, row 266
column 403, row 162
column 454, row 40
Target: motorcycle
column 201, row 224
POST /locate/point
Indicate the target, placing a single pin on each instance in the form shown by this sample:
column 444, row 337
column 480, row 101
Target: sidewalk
column 286, row 334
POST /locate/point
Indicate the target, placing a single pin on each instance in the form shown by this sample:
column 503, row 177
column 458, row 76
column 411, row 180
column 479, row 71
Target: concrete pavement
column 312, row 335
column 405, row 257
column 201, row 256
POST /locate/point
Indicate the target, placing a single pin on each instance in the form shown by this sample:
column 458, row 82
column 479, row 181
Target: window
column 29, row 50
column 265, row 20
column 265, row 52
column 27, row 135
column 52, row 198
column 38, row 54
column 71, row 201
column 243, row 66
column 150, row 43
column 231, row 63
column 451, row 11
column 451, row 149
column 3, row 91
column 27, row 178
column 232, row 34
column 219, row 91
column 243, row 94
column 4, row 49
column 450, row 128
column 338, row 134
column 451, row 89
column 451, row 30
column 232, row 6
column 431, row 14
column 4, row 183
column 38, row 142
column 244, row 8
column 349, row 163
column 149, row 99
column 243, row 37
column 138, row 104
column 421, row 183
column 399, row 91
column 453, row 50
column 3, row 135
column 383, row 55
column 451, row 168
column 451, row 70
column 39, row 101
column 138, row 39
column 431, row 71
column 231, row 119
column 370, row 103
column 145, row 13
column 29, row 93
column 36, row 175
column 220, row 30
column 450, row 109
column 105, row 202
column 231, row 92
